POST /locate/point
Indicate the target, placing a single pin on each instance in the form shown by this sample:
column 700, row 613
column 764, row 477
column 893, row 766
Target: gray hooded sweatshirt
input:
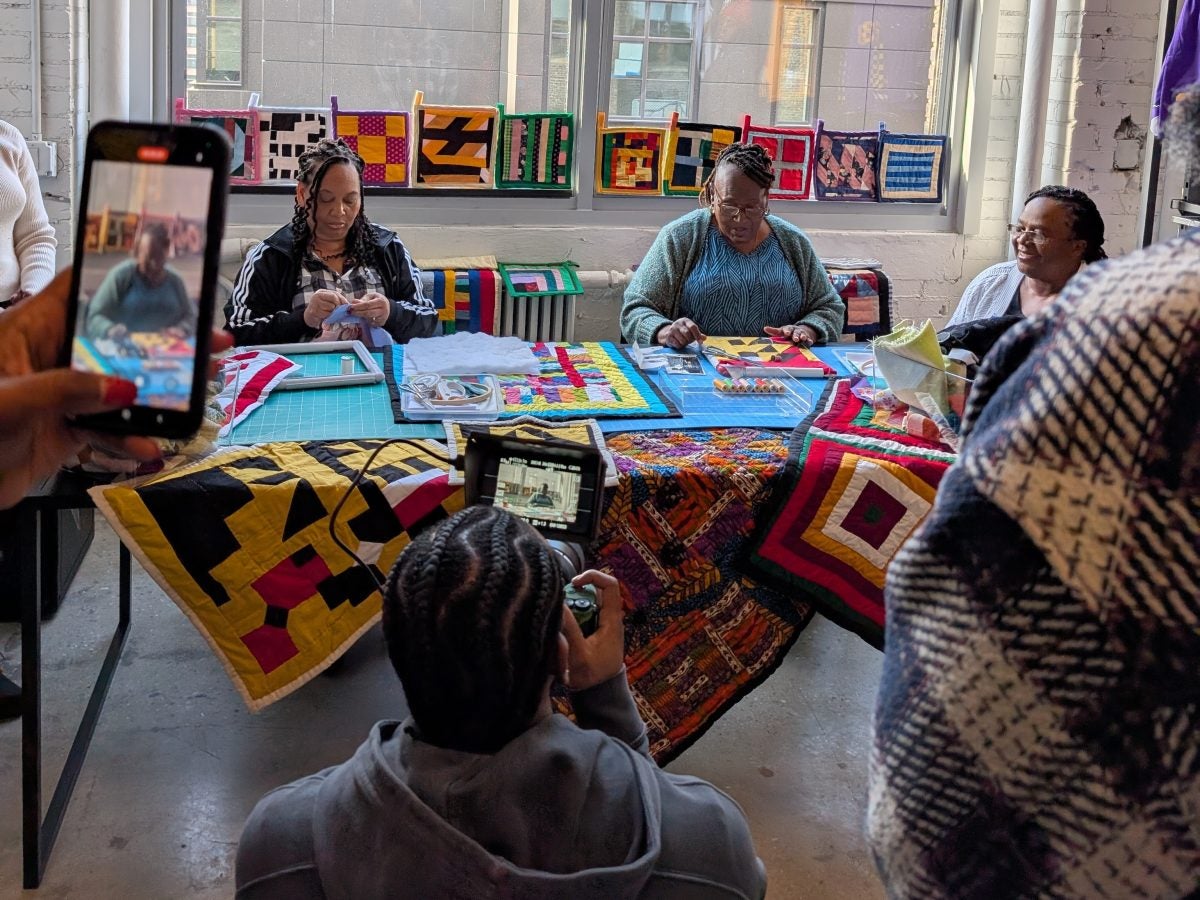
column 562, row 811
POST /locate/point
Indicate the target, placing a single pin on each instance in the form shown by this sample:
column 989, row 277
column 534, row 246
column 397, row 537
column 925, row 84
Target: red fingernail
column 118, row 392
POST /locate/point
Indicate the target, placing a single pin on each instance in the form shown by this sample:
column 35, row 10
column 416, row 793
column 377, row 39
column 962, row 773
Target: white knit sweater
column 26, row 237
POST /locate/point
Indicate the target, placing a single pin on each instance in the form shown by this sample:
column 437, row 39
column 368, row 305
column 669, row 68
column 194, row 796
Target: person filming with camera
column 484, row 791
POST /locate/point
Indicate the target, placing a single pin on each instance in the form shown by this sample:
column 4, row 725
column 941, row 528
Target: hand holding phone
column 145, row 270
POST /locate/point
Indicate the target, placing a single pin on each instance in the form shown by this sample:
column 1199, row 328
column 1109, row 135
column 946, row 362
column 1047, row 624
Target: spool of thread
column 347, row 365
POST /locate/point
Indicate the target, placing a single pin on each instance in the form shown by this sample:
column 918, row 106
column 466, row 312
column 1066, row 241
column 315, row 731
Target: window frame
column 696, row 41
column 964, row 105
column 814, row 61
column 202, row 20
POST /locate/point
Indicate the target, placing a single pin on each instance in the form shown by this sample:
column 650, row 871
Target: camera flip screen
column 543, row 492
column 140, row 281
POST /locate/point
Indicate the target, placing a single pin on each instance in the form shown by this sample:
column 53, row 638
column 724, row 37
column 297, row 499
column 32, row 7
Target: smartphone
column 145, row 270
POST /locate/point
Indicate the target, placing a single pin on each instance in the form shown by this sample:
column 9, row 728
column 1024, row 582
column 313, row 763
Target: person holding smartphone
column 484, row 790
column 36, row 399
column 27, row 240
column 328, row 256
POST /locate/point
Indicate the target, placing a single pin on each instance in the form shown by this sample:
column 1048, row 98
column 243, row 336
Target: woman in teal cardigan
column 731, row 269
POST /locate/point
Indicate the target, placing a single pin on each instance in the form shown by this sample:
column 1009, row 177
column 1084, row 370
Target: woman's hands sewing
column 373, row 307
column 320, row 305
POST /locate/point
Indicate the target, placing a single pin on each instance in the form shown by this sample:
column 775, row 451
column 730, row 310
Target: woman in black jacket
column 328, row 256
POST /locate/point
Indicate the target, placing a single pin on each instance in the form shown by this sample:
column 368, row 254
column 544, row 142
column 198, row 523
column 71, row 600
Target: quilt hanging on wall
column 456, row 145
column 844, row 165
column 628, row 158
column 791, row 150
column 283, row 135
column 910, row 167
column 240, row 126
column 535, row 151
column 380, row 137
column 692, row 151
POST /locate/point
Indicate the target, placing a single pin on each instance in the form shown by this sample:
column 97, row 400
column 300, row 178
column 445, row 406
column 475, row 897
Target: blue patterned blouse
column 730, row 293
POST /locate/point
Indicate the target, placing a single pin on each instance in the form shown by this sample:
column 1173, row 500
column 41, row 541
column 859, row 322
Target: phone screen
column 541, row 492
column 140, row 276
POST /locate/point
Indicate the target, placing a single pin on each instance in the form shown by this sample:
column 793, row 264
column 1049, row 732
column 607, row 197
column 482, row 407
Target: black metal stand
column 37, row 523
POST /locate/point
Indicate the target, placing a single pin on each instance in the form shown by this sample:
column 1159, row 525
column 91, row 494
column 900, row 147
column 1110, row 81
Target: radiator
column 538, row 318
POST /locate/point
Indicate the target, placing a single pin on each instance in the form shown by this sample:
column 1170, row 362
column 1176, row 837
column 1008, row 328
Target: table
column 38, row 546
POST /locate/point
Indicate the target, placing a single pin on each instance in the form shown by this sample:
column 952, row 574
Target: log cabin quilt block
column 692, row 151
column 629, row 159
column 791, row 150
column 911, row 167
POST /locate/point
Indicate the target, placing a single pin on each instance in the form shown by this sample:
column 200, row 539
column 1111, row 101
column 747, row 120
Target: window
column 375, row 55
column 653, row 59
column 214, row 41
column 784, row 62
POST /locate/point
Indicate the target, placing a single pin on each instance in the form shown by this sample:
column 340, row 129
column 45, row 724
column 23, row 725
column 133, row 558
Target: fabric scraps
column 248, row 379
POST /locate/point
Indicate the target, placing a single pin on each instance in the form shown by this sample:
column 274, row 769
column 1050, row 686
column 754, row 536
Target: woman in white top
column 1059, row 232
column 26, row 236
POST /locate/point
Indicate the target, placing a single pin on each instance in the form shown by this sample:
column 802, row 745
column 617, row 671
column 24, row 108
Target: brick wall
column 58, row 96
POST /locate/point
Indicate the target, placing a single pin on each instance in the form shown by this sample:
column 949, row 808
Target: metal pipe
column 1035, row 91
column 35, row 65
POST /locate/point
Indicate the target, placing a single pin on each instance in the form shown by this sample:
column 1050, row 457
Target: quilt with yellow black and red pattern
column 240, row 542
column 855, row 488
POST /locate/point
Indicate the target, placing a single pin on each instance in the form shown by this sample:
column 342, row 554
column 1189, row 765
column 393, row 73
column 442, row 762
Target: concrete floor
column 177, row 762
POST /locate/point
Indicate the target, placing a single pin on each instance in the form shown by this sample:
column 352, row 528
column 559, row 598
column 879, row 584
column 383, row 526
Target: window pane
column 223, row 59
column 671, row 20
column 225, row 8
column 627, row 60
column 560, row 16
column 666, row 97
column 629, row 18
column 558, row 95
column 795, row 87
column 669, row 61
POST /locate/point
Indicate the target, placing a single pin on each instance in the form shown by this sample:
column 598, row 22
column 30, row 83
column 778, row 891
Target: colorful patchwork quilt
column 588, row 380
column 867, row 295
column 910, row 167
column 240, row 126
column 628, row 159
column 536, row 150
column 380, row 137
column 692, row 151
column 855, row 488
column 698, row 636
column 791, row 150
column 268, row 588
column 548, row 280
column 844, row 166
column 466, row 299
column 456, row 145
column 763, row 351
column 283, row 135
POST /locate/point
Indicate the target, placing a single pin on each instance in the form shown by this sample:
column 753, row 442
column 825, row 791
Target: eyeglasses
column 1040, row 238
column 732, row 211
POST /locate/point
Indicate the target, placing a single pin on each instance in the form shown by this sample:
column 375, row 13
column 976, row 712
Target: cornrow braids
column 471, row 616
column 750, row 159
column 1086, row 222
column 314, row 163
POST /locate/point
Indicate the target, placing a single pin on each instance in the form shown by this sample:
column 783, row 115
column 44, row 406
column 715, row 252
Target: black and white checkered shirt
column 353, row 284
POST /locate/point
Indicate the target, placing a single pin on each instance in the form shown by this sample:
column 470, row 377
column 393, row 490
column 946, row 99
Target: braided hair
column 471, row 616
column 750, row 159
column 1086, row 223
column 314, row 163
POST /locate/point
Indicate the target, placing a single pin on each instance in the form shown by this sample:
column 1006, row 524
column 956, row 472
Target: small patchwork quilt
column 910, row 167
column 466, row 299
column 536, row 150
column 856, row 486
column 628, row 158
column 380, row 137
column 548, row 280
column 283, row 135
column 583, row 432
column 456, row 145
column 844, row 164
column 791, row 150
column 766, row 352
column 240, row 126
column 692, row 151
column 588, row 380
column 867, row 295
column 274, row 596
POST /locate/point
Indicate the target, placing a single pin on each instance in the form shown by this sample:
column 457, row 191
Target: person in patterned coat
column 732, row 269
column 1037, row 729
